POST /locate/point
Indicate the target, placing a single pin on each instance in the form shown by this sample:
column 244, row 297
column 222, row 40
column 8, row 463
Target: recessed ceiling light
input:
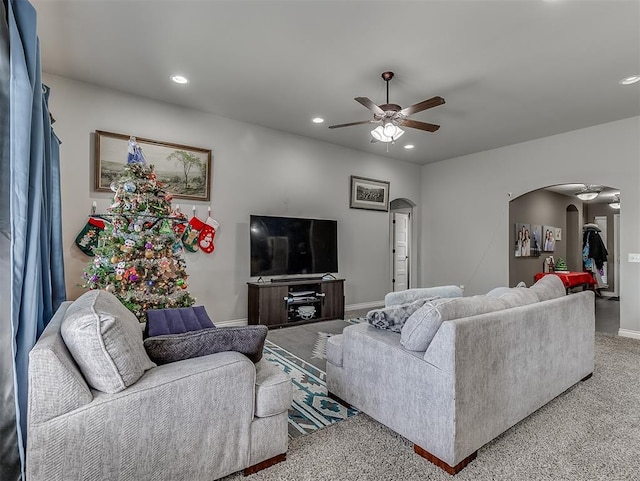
column 179, row 79
column 409, row 146
column 630, row 80
column 317, row 120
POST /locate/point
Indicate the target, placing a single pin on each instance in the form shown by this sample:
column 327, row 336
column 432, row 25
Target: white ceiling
column 510, row 70
column 606, row 194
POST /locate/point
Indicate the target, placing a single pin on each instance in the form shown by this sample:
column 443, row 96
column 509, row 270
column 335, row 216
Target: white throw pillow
column 105, row 339
column 422, row 325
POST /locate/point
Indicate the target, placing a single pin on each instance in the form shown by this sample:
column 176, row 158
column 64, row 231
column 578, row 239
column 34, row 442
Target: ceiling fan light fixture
column 615, row 203
column 587, row 193
column 390, row 130
column 379, row 134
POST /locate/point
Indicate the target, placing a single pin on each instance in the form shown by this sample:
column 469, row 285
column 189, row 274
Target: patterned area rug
column 312, row 409
column 320, row 348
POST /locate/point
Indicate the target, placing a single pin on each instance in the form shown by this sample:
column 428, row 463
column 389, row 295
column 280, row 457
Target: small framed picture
column 558, row 233
column 370, row 194
column 548, row 238
column 185, row 171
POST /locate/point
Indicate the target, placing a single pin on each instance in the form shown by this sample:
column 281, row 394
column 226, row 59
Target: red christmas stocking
column 191, row 233
column 207, row 233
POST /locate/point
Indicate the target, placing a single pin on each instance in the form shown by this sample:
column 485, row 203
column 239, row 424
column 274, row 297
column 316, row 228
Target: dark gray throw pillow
column 247, row 340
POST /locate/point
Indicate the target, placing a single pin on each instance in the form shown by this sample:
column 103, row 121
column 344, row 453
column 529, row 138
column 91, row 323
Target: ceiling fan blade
column 354, row 123
column 370, row 105
column 420, row 125
column 424, row 105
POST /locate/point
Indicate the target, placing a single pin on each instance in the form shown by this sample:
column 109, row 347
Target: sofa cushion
column 409, row 295
column 514, row 297
column 105, row 340
column 247, row 340
column 177, row 320
column 334, row 350
column 274, row 390
column 421, row 327
column 549, row 287
column 394, row 317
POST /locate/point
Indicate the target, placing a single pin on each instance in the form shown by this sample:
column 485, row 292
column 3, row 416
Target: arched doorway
column 559, row 207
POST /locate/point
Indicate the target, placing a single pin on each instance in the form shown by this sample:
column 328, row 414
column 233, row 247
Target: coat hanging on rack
column 594, row 253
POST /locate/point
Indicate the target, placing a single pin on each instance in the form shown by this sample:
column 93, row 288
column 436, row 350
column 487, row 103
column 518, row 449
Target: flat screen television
column 289, row 245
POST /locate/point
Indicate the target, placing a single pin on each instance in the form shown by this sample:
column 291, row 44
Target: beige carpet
column 591, row 432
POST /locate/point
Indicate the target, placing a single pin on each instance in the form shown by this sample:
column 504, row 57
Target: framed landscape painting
column 369, row 194
column 185, row 171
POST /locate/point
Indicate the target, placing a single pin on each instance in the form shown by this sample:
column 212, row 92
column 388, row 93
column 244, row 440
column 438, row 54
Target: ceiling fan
column 392, row 116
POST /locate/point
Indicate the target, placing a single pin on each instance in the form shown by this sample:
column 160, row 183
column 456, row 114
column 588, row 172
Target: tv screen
column 288, row 245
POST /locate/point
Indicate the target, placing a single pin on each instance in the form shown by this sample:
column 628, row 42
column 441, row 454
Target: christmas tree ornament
column 165, row 227
column 129, row 187
column 114, row 186
column 148, row 254
column 191, row 234
column 87, row 239
column 208, row 232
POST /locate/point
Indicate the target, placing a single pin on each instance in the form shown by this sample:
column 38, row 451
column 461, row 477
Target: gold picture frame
column 184, row 171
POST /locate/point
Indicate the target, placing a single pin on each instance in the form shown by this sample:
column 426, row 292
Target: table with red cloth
column 571, row 279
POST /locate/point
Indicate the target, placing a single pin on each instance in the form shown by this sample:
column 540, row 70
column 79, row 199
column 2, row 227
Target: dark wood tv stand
column 275, row 304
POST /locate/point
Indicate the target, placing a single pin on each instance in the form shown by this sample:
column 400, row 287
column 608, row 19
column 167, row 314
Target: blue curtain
column 37, row 277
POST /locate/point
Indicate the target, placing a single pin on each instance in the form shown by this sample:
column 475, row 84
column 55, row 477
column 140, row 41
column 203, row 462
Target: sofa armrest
column 56, row 385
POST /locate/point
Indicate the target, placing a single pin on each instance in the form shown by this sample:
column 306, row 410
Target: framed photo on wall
column 548, row 238
column 185, row 171
column 523, row 240
column 369, row 194
column 536, row 240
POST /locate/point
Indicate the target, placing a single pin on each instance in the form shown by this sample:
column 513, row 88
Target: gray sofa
column 480, row 374
column 196, row 419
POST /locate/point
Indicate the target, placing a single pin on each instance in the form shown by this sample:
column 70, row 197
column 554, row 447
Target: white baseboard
column 364, row 305
column 629, row 333
column 231, row 323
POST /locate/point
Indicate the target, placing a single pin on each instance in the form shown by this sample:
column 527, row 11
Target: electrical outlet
column 634, row 257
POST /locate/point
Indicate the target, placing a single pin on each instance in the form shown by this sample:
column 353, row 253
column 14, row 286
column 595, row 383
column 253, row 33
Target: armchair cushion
column 174, row 321
column 105, row 340
column 247, row 340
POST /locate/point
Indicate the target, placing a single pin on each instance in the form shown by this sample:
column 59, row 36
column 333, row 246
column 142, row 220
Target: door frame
column 409, row 211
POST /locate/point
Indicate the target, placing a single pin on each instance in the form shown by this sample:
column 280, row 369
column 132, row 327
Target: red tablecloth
column 570, row 279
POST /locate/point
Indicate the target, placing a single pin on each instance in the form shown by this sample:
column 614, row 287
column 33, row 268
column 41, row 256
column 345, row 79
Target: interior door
column 401, row 236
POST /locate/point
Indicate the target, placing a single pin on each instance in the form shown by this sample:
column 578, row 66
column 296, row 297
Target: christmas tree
column 138, row 257
column 561, row 265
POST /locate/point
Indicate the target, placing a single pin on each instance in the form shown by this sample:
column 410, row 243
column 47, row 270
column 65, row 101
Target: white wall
column 467, row 241
column 255, row 171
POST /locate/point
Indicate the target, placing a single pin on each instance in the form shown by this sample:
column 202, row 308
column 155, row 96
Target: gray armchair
column 196, row 419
